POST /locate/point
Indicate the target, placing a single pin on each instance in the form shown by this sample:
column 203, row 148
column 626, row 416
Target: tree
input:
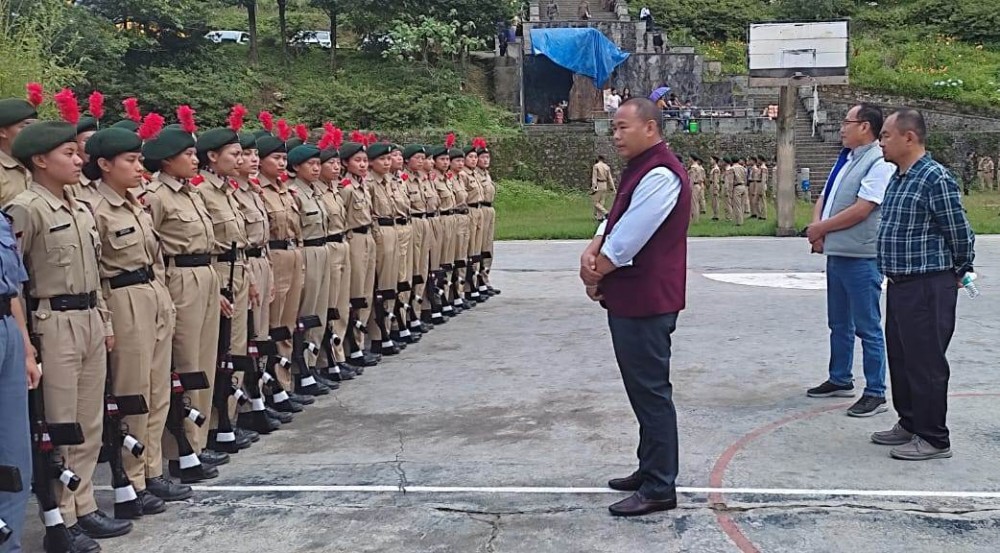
column 251, row 8
column 814, row 10
column 155, row 26
column 378, row 16
column 430, row 40
column 332, row 10
column 283, row 27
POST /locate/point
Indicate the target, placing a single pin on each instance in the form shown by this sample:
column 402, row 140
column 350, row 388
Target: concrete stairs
column 567, row 10
column 812, row 152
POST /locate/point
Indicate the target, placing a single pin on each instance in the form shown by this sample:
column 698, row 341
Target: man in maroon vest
column 636, row 267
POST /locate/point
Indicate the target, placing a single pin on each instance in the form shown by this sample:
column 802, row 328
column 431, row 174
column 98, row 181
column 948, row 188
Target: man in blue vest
column 844, row 228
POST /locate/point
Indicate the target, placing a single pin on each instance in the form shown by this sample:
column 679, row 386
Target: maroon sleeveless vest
column 655, row 283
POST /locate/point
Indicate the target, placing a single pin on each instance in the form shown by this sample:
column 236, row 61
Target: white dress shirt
column 652, row 201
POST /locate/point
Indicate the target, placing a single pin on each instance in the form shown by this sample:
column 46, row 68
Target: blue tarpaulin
column 584, row 51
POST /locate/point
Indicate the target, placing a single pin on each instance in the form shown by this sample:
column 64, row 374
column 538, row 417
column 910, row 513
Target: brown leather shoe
column 630, row 483
column 636, row 505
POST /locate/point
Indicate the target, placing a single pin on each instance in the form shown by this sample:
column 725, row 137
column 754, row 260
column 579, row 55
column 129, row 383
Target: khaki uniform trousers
column 449, row 248
column 238, row 336
column 463, row 227
column 436, row 237
column 423, row 238
column 362, row 254
column 315, row 294
column 489, row 229
column 195, row 292
column 758, row 200
column 746, row 200
column 404, row 269
column 727, row 200
column 75, row 364
column 143, row 320
column 713, row 192
column 289, row 274
column 386, row 273
column 476, row 224
column 697, row 201
column 260, row 269
column 739, row 199
column 598, row 198
column 338, row 256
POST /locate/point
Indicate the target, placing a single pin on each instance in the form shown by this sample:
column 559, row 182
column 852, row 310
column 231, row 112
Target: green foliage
column 367, row 17
column 431, row 40
column 813, row 10
column 155, row 27
column 26, row 53
column 715, row 20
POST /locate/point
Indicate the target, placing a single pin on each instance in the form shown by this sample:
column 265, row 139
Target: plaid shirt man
column 924, row 228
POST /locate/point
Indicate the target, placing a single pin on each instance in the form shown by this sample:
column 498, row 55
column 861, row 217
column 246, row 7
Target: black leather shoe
column 287, row 406
column 636, row 505
column 256, row 422
column 346, row 373
column 426, row 327
column 99, row 526
column 281, row 416
column 496, row 291
column 192, row 475
column 82, row 543
column 252, row 435
column 630, row 483
column 213, row 458
column 327, row 382
column 151, row 505
column 167, row 490
column 231, row 447
column 370, row 360
column 301, row 400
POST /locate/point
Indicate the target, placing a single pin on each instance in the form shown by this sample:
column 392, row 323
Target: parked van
column 218, row 37
column 311, row 38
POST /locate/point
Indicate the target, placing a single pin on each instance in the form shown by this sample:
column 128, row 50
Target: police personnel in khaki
column 143, row 311
column 474, row 198
column 15, row 115
column 60, row 244
column 601, row 182
column 402, row 331
column 247, row 195
column 728, row 179
column 715, row 186
column 697, row 175
column 304, row 160
column 188, row 240
column 386, row 244
column 755, row 177
column 765, row 176
column 462, row 226
column 284, row 245
column 357, row 200
column 447, row 230
column 220, row 156
column 490, row 215
column 338, row 257
column 418, row 188
column 739, row 191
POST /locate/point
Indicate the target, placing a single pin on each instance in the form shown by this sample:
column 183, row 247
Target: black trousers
column 920, row 320
column 642, row 348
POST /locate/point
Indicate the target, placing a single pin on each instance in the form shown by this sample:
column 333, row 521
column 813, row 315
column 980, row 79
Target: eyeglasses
column 846, row 122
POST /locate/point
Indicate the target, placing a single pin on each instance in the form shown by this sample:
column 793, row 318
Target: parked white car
column 218, row 37
column 311, row 38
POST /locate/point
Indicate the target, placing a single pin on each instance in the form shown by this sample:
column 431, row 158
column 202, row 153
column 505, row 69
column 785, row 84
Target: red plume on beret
column 96, row 104
column 479, row 142
column 186, row 117
column 326, row 142
column 69, row 109
column 338, row 137
column 284, row 130
column 356, row 136
column 302, row 132
column 266, row 120
column 35, row 94
column 132, row 109
column 371, row 139
column 151, row 126
column 449, row 140
column 236, row 116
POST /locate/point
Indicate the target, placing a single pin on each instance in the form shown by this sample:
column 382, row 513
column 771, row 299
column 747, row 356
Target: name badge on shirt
column 124, row 232
column 59, row 227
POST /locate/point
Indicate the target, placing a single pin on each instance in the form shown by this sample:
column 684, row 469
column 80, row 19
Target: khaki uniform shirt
column 179, row 216
column 86, row 190
column 282, row 211
column 311, row 212
column 415, row 192
column 474, row 192
column 764, row 175
column 381, row 195
column 739, row 175
column 729, row 177
column 60, row 246
column 715, row 175
column 14, row 178
column 445, row 192
column 128, row 241
column 490, row 189
column 357, row 201
column 227, row 217
column 697, row 174
column 600, row 177
column 400, row 197
column 333, row 206
column 755, row 173
column 461, row 194
column 254, row 212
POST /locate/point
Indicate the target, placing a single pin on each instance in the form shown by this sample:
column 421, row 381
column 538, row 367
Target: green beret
column 293, row 143
column 259, row 133
column 168, row 144
column 455, row 153
column 379, row 149
column 108, row 143
column 412, row 150
column 437, row 151
column 269, row 144
column 174, row 127
column 351, row 149
column 328, row 154
column 215, row 139
column 85, row 124
column 301, row 154
column 126, row 124
column 42, row 138
column 15, row 110
column 469, row 150
column 696, row 158
column 248, row 141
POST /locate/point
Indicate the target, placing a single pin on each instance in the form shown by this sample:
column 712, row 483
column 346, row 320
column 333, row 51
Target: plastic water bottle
column 969, row 284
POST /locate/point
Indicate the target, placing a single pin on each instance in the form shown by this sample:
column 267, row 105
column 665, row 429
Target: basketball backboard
column 808, row 53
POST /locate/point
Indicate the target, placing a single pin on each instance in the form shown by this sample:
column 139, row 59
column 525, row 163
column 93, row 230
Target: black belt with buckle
column 339, row 237
column 363, row 229
column 5, row 302
column 486, row 204
column 402, row 220
column 231, row 256
column 254, row 252
column 385, row 221
column 463, row 211
column 418, row 215
column 70, row 302
column 313, row 242
column 131, row 278
column 191, row 260
column 448, row 212
column 474, row 204
column 280, row 244
column 431, row 215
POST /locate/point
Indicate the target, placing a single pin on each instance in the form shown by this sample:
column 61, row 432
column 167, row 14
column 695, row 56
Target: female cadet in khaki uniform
column 220, row 156
column 354, row 191
column 490, row 216
column 337, row 255
column 417, row 187
column 404, row 252
column 187, row 237
column 446, row 229
column 386, row 244
column 462, row 226
column 144, row 313
column 60, row 245
column 474, row 198
column 304, row 160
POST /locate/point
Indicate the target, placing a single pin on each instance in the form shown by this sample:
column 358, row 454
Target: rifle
column 191, row 468
column 256, row 418
column 10, row 481
column 116, row 437
column 45, row 437
column 223, row 438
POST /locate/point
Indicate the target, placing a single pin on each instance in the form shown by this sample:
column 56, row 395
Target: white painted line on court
column 800, row 492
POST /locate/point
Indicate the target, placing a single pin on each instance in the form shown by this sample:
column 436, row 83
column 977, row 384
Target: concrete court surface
column 524, row 392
